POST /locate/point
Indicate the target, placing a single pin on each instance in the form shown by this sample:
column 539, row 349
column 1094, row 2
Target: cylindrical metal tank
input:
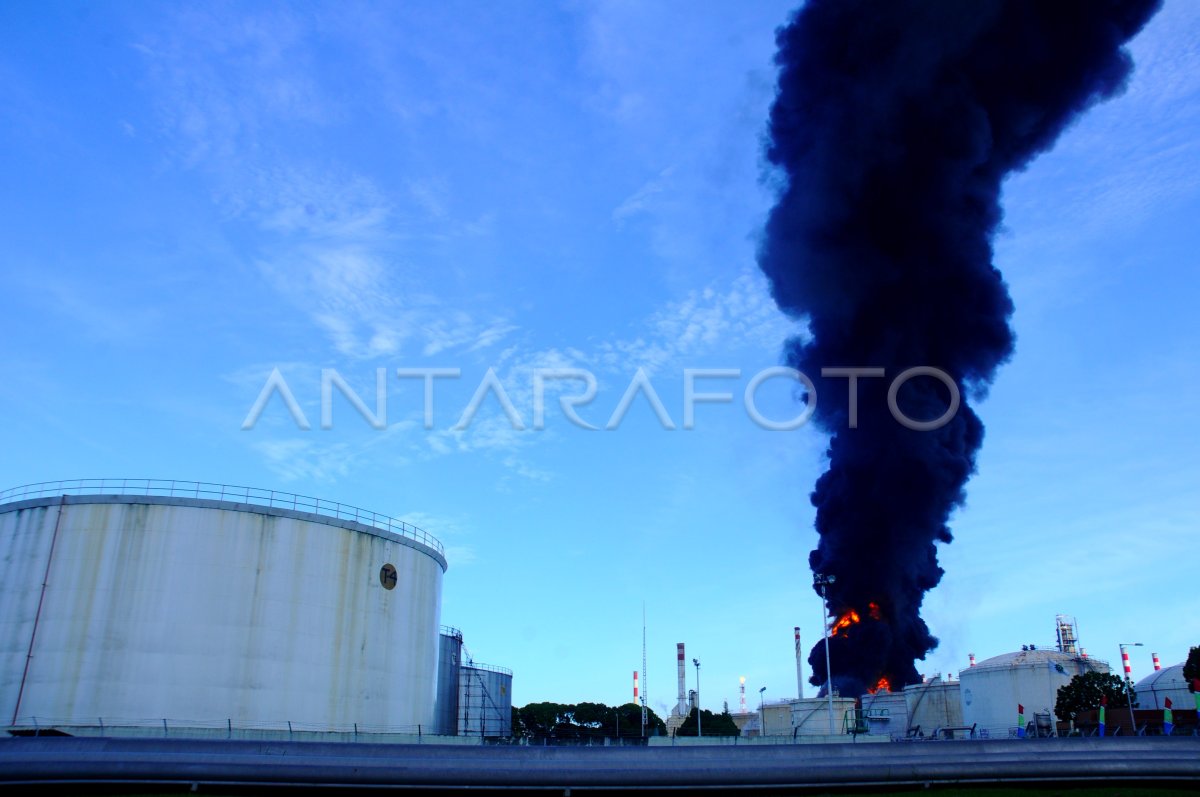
column 1161, row 684
column 886, row 714
column 992, row 690
column 807, row 717
column 484, row 700
column 449, row 661
column 127, row 601
column 934, row 705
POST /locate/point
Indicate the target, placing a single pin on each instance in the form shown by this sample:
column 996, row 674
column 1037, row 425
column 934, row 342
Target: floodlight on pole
column 821, row 581
column 697, row 663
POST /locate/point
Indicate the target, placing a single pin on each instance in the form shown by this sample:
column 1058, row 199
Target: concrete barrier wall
column 747, row 768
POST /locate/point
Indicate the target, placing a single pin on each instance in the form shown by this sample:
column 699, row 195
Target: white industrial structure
column 144, row 601
column 1162, row 684
column 926, row 710
column 994, row 688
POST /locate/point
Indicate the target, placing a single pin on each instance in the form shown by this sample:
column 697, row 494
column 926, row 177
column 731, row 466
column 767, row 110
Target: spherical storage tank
column 992, row 690
column 125, row 601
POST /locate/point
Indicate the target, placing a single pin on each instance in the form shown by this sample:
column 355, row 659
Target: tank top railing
column 254, row 496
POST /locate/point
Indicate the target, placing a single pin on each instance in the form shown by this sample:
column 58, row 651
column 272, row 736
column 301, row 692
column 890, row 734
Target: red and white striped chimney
column 971, row 658
column 1157, row 665
column 1125, row 663
column 635, row 687
column 799, row 667
column 1083, row 653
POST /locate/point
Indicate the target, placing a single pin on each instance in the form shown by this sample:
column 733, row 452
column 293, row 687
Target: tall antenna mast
column 644, row 668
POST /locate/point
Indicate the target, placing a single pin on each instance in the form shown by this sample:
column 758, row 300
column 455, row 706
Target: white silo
column 925, row 710
column 450, row 650
column 992, row 690
column 1161, row 684
column 484, row 700
column 886, row 714
column 143, row 601
column 935, row 705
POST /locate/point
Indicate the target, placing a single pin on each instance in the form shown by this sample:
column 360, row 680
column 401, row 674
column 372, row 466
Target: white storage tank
column 935, row 706
column 484, row 700
column 450, row 648
column 993, row 688
column 808, row 716
column 137, row 601
column 1161, row 684
column 886, row 714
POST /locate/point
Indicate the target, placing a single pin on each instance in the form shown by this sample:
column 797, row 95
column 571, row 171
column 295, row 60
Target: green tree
column 541, row 719
column 1083, row 693
column 1191, row 667
column 626, row 721
column 518, row 725
column 710, row 724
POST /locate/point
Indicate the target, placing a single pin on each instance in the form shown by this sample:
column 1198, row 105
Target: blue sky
column 196, row 195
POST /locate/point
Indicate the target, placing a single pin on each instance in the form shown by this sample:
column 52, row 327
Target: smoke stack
column 635, row 687
column 742, row 693
column 799, row 667
column 1125, row 664
column 1157, row 665
column 682, row 708
column 971, row 658
column 892, row 131
column 1083, row 653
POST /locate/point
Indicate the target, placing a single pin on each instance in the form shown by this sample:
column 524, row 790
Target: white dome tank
column 1161, row 684
column 993, row 688
column 138, row 601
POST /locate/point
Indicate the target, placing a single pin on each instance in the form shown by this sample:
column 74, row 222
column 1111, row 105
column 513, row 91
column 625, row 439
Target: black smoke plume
column 894, row 126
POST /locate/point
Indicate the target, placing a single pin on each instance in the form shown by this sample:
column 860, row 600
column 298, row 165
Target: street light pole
column 822, row 581
column 1128, row 673
column 697, row 663
column 762, row 711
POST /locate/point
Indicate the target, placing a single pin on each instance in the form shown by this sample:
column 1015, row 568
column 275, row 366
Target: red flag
column 1196, row 684
column 1020, row 709
column 1104, row 700
column 1167, row 703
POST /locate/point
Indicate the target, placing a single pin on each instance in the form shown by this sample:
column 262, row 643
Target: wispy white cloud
column 706, row 321
column 230, row 87
column 225, row 78
column 1131, row 157
column 96, row 312
column 303, row 460
column 643, row 199
column 453, row 531
column 713, row 321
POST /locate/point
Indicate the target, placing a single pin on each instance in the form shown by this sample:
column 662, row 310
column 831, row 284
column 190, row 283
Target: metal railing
column 475, row 665
column 255, row 496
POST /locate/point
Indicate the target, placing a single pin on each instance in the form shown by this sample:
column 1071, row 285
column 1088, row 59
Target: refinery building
column 1011, row 695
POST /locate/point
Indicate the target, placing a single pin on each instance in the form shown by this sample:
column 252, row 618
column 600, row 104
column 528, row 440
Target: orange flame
column 883, row 685
column 845, row 621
